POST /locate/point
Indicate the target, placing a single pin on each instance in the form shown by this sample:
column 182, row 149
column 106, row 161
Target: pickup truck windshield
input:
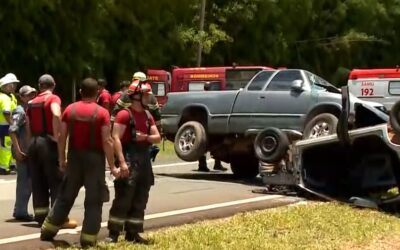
column 318, row 81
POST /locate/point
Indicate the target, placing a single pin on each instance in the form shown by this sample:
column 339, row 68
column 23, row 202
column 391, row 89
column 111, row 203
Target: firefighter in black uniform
column 133, row 133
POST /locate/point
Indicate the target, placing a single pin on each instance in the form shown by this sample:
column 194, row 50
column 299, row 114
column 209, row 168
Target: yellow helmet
column 139, row 76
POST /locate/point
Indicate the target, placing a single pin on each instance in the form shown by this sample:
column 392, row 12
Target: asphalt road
column 180, row 195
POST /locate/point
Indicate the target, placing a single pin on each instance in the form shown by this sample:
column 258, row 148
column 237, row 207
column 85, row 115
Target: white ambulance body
column 376, row 85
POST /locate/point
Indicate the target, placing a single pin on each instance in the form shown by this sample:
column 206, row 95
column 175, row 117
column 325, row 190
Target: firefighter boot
column 135, row 237
column 112, row 237
column 69, row 224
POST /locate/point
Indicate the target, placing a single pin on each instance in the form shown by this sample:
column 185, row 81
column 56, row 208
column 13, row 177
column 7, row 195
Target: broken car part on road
column 355, row 165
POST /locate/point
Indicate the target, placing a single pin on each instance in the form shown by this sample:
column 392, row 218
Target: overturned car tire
column 271, row 145
column 190, row 141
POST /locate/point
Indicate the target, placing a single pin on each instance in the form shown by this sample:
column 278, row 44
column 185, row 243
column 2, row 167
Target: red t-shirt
column 115, row 98
column 141, row 123
column 80, row 131
column 104, row 97
column 35, row 113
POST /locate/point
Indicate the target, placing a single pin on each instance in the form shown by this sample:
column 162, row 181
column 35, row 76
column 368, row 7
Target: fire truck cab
column 377, row 85
column 160, row 83
column 193, row 79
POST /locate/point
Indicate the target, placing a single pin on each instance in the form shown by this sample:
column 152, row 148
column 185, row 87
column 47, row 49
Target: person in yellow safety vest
column 8, row 103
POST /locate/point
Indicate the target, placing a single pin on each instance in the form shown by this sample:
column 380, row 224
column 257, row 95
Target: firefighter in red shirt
column 44, row 121
column 88, row 127
column 133, row 133
column 123, row 87
column 104, row 97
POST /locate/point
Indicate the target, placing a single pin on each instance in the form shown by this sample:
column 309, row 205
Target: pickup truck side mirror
column 297, row 85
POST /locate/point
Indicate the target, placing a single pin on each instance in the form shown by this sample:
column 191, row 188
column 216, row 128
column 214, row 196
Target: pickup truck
column 226, row 122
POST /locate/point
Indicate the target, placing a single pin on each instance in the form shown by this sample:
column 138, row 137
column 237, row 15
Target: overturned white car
column 353, row 165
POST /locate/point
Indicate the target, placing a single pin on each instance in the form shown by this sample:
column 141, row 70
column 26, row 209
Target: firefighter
column 88, row 126
column 8, row 103
column 154, row 109
column 133, row 133
column 125, row 101
column 104, row 97
column 44, row 119
column 123, row 87
column 18, row 133
column 203, row 159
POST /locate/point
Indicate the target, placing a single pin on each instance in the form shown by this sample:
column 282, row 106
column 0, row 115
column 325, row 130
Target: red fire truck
column 193, row 79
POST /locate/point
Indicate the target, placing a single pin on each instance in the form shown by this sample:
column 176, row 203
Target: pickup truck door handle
column 261, row 97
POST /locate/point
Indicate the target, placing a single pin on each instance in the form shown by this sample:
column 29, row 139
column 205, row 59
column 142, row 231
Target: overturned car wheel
column 271, row 145
column 244, row 167
column 190, row 141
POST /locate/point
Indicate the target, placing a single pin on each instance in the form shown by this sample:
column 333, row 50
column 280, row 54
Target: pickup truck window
column 283, row 80
column 260, row 80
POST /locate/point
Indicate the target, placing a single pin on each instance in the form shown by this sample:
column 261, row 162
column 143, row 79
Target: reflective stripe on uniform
column 47, row 226
column 91, row 238
column 116, row 220
column 41, row 210
column 135, row 221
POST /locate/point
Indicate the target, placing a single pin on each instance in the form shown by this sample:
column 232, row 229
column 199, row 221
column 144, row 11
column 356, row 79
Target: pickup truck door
column 248, row 103
column 284, row 105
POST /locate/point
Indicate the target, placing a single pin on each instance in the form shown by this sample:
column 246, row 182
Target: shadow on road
column 214, row 176
column 32, row 225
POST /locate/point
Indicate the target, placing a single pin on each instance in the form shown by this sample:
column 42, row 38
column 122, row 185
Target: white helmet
column 7, row 79
column 139, row 76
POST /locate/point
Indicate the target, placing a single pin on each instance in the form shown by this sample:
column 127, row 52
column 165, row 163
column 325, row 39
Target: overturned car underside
column 359, row 164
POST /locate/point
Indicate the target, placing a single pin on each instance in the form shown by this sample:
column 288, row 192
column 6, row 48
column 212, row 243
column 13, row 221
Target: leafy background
column 72, row 39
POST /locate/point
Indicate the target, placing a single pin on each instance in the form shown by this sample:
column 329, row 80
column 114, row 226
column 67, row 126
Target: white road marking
column 151, row 216
column 4, row 181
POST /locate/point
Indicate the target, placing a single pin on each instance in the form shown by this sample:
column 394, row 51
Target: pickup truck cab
column 226, row 122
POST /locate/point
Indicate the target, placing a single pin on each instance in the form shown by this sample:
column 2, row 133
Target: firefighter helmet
column 140, row 76
column 137, row 87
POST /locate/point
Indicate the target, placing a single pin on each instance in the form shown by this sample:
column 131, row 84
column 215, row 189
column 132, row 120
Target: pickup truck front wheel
column 190, row 141
column 321, row 125
column 244, row 167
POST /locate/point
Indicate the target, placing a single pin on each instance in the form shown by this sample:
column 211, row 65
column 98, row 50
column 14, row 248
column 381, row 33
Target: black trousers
column 44, row 171
column 132, row 194
column 85, row 168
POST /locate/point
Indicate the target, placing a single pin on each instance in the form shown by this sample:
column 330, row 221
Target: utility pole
column 201, row 28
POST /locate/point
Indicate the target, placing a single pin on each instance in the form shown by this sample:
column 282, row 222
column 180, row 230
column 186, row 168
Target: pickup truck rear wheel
column 244, row 167
column 190, row 141
column 321, row 125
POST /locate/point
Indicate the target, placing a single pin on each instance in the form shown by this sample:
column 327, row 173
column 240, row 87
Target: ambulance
column 193, row 79
column 377, row 85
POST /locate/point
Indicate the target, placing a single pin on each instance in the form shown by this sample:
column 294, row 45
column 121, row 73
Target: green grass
column 313, row 226
column 167, row 152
